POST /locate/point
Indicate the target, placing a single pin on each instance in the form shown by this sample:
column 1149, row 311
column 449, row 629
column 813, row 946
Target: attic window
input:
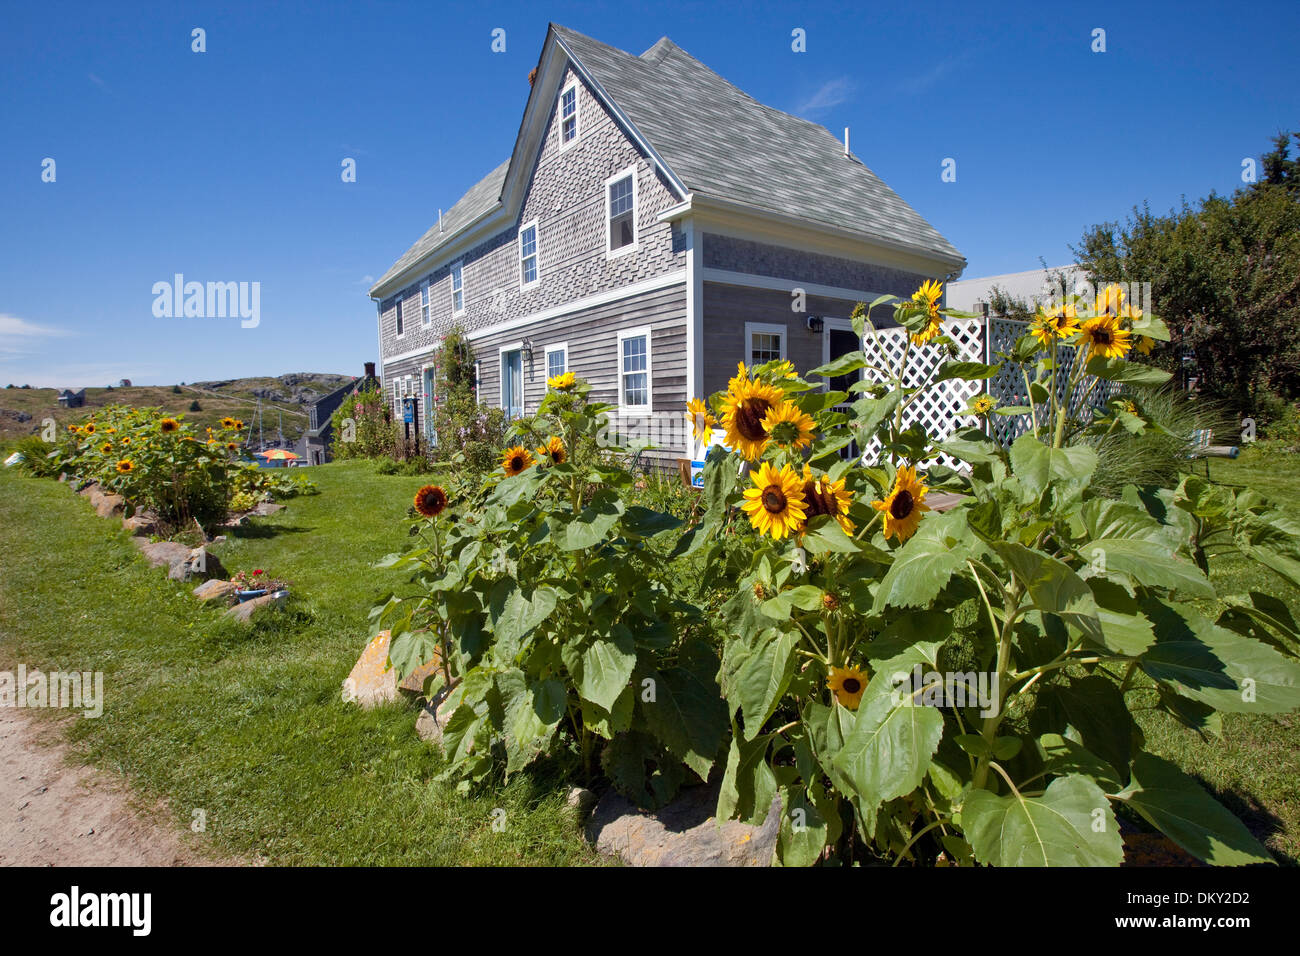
column 620, row 209
column 569, row 114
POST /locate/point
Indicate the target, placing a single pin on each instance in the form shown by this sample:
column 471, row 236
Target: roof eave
column 452, row 246
column 697, row 202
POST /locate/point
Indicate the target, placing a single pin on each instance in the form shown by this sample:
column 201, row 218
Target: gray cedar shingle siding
column 758, row 258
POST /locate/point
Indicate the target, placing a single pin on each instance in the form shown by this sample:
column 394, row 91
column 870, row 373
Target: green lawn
column 247, row 723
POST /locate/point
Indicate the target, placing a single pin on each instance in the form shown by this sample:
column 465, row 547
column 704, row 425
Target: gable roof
column 717, row 142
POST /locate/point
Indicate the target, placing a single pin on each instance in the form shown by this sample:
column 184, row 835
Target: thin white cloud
column 828, row 96
column 19, row 336
column 921, row 82
column 96, row 80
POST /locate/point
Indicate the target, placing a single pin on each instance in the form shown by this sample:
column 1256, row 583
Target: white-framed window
column 511, row 366
column 620, row 213
column 457, row 289
column 764, row 342
column 397, row 308
column 425, row 318
column 557, row 359
column 634, row 387
column 569, row 115
column 529, row 273
column 478, row 380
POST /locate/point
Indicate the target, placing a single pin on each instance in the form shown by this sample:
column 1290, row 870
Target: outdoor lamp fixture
column 815, row 323
column 527, row 351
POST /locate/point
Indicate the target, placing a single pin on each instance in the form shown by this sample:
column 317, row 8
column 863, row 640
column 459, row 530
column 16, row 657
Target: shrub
column 362, row 427
column 464, row 427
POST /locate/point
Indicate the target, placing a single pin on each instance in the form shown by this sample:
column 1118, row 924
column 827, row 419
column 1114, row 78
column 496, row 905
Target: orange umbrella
column 277, row 454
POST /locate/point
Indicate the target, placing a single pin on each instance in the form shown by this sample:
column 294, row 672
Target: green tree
column 1225, row 277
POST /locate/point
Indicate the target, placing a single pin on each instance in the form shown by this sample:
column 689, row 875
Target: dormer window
column 569, row 115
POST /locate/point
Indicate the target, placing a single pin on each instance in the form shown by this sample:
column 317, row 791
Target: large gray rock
column 142, row 524
column 198, row 563
column 684, row 833
column 159, row 553
column 215, row 590
column 105, row 503
column 433, row 718
column 243, row 612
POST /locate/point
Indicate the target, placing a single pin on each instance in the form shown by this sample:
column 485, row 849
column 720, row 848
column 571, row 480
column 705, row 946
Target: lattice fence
column 978, row 340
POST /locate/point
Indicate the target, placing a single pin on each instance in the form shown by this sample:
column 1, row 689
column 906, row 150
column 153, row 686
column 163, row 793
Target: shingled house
column 647, row 233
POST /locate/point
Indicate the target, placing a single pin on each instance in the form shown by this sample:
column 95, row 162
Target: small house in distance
column 70, row 399
column 319, row 434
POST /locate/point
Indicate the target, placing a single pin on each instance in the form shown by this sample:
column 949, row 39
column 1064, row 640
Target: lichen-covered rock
column 372, row 681
column 141, row 524
column 198, row 563
column 684, row 833
column 159, row 553
column 244, row 611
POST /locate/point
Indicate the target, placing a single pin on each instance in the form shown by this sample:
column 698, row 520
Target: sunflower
column 701, row 419
column 775, row 504
column 554, row 450
column 983, row 403
column 232, row 446
column 563, row 382
column 239, row 423
column 847, row 684
column 168, row 425
column 106, row 447
column 430, row 500
column 903, row 507
column 89, row 428
column 227, row 423
column 1109, row 300
column 1059, row 322
column 826, row 497
column 126, row 440
column 516, row 459
column 741, row 376
column 744, row 408
column 1145, row 344
column 788, row 425
column 1103, row 336
column 125, row 466
column 785, row 369
column 929, row 295
column 74, row 429
column 111, row 431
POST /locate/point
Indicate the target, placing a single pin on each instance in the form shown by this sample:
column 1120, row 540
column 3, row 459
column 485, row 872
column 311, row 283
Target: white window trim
column 478, row 382
column 611, row 253
column 546, row 356
column 451, row 279
column 577, row 114
column 399, row 319
column 763, row 328
column 501, row 377
column 649, row 371
column 537, row 253
column 426, row 304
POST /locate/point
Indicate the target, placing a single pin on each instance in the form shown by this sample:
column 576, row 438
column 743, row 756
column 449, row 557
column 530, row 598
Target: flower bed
column 914, row 687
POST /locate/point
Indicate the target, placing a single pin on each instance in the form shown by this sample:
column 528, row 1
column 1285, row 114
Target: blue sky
column 225, row 165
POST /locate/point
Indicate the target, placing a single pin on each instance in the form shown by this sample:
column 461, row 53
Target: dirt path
column 53, row 813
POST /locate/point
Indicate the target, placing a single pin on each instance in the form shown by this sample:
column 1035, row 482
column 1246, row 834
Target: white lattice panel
column 936, row 410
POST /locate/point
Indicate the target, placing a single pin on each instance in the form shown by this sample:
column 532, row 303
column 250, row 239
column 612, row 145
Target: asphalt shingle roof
column 721, row 143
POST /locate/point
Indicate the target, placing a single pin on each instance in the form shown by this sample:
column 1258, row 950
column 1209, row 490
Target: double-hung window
column 397, row 308
column 764, row 342
column 457, row 289
column 557, row 359
column 528, row 271
column 620, row 213
column 424, row 303
column 569, row 115
column 634, row 370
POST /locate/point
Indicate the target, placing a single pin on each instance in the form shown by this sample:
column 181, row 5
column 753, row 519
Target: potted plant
column 257, row 583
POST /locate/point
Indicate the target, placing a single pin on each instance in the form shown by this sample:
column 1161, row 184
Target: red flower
column 257, row 571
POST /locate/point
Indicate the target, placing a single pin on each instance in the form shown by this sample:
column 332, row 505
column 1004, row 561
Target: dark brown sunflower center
column 517, row 463
column 851, row 685
column 774, row 499
column 820, row 500
column 1101, row 337
column 901, row 506
column 749, row 418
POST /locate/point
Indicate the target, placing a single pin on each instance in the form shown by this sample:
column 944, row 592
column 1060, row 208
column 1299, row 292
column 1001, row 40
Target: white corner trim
column 694, row 310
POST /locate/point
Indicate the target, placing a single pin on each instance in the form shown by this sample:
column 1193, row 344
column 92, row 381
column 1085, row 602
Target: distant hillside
column 22, row 409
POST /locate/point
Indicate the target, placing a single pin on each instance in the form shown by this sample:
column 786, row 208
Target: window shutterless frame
column 621, row 235
column 557, row 359
column 530, row 271
column 764, row 341
column 457, row 288
column 398, row 324
column 568, row 111
column 425, row 317
column 635, row 389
